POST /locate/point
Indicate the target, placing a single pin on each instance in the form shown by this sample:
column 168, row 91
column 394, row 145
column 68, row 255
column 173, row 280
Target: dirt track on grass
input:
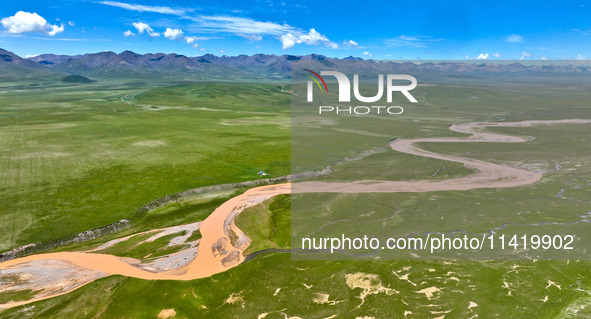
column 217, row 252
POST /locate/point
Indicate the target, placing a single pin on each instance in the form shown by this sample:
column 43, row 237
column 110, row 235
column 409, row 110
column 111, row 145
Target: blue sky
column 408, row 30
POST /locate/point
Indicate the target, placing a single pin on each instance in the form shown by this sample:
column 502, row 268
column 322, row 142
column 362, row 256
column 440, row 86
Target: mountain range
column 208, row 66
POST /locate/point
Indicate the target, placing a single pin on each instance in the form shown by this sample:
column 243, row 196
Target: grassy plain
column 276, row 285
column 268, row 225
column 560, row 152
column 77, row 157
column 118, row 153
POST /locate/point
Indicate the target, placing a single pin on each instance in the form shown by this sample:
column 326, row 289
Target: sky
column 384, row 30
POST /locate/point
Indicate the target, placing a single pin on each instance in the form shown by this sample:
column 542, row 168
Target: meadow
column 560, row 152
column 272, row 285
column 78, row 157
column 83, row 156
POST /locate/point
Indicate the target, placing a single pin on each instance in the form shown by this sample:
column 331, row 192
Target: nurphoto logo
column 344, row 92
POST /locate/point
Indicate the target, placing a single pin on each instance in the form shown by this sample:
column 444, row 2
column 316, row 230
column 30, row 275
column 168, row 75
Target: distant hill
column 73, row 78
column 9, row 57
column 15, row 68
column 259, row 66
column 51, row 59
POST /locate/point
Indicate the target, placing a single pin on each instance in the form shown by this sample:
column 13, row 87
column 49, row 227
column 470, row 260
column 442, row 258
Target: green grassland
column 391, row 165
column 560, row 152
column 268, row 225
column 185, row 210
column 16, row 295
column 79, row 157
column 254, row 292
column 439, row 105
column 275, row 284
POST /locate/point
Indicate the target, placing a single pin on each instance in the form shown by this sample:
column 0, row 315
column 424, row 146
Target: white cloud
column 544, row 58
column 55, row 30
column 251, row 37
column 580, row 57
column 367, row 54
column 350, row 43
column 141, row 27
column 496, row 55
column 128, row 33
column 241, row 26
column 514, row 38
column 482, row 56
column 23, row 22
column 525, row 55
column 417, row 41
column 312, row 38
column 288, row 41
column 191, row 41
column 142, row 8
column 71, row 23
column 173, row 34
column 255, row 30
